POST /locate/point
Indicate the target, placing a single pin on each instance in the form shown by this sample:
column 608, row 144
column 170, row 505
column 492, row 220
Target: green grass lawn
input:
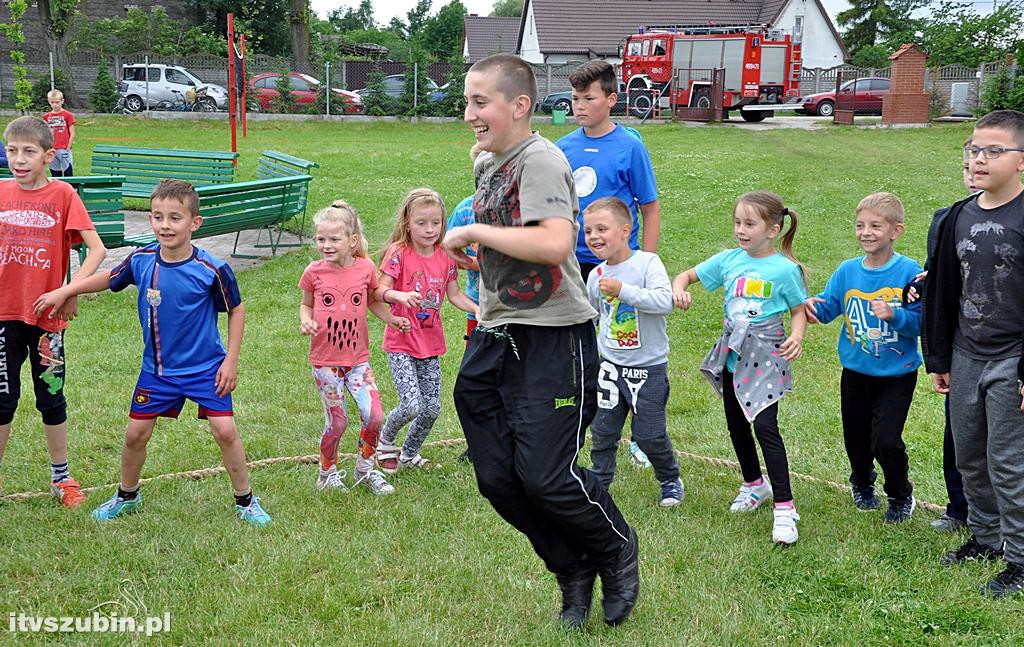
column 433, row 563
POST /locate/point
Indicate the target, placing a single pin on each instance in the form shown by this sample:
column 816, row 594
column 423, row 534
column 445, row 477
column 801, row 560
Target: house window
column 798, row 29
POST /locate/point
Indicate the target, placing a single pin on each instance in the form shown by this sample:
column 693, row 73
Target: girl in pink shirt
column 337, row 291
column 416, row 274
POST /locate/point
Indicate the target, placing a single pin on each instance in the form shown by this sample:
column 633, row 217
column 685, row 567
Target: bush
column 377, row 102
column 414, row 99
column 42, row 85
column 453, row 104
column 285, row 100
column 1004, row 91
column 103, row 96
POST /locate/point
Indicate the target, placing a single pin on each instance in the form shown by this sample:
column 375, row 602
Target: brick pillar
column 907, row 101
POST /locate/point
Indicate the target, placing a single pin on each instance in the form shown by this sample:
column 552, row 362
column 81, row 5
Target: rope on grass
column 309, row 459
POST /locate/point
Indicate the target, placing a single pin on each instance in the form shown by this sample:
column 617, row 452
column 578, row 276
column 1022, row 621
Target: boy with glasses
column 972, row 341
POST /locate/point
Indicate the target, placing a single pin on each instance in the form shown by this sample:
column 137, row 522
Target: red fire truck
column 672, row 67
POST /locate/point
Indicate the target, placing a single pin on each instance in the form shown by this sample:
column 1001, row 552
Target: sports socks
column 127, row 495
column 59, row 472
column 244, row 499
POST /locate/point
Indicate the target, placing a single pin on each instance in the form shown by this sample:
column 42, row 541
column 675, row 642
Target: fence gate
column 845, row 101
column 702, row 90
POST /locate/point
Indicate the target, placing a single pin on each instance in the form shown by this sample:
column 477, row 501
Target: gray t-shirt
column 632, row 331
column 529, row 183
column 990, row 245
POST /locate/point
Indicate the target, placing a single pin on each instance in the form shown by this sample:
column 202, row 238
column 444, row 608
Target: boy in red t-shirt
column 62, row 123
column 40, row 219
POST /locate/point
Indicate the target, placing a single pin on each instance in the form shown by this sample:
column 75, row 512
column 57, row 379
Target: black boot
column 577, row 593
column 620, row 582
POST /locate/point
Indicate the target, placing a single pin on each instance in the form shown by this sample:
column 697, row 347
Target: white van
column 164, row 81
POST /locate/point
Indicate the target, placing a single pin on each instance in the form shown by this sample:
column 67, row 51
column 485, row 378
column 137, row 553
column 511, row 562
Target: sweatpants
column 874, row 412
column 957, row 506
column 358, row 380
column 525, row 395
column 643, row 392
column 988, row 429
column 766, row 428
column 45, row 352
column 418, row 382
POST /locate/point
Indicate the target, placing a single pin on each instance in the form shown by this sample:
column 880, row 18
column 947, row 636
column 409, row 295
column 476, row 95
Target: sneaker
column 864, row 498
column 899, row 510
column 971, row 551
column 116, row 507
column 253, row 513
column 1009, row 582
column 672, row 493
column 332, row 481
column 946, row 523
column 387, row 459
column 637, row 456
column 784, row 530
column 620, row 582
column 577, row 594
column 750, row 497
column 375, row 481
column 68, row 492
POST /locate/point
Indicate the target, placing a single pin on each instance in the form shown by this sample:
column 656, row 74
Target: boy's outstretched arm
column 96, row 251
column 55, row 299
column 227, row 374
column 548, row 242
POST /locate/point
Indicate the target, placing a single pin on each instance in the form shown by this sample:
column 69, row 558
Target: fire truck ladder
column 707, row 29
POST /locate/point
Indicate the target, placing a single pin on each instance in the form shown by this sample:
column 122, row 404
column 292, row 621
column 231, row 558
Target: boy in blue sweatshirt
column 878, row 351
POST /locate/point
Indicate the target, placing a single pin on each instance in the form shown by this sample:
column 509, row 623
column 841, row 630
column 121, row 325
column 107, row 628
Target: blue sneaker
column 116, row 507
column 672, row 493
column 253, row 514
column 637, row 456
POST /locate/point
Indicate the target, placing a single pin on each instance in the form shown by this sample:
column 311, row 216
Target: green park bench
column 278, row 164
column 236, row 207
column 143, row 168
column 104, row 200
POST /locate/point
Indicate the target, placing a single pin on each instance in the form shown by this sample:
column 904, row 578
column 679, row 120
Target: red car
column 305, row 89
column 867, row 93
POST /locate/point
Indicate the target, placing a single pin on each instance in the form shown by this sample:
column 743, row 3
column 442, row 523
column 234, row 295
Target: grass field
column 433, row 564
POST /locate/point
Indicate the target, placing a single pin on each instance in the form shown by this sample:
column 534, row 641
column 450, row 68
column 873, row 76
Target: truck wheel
column 755, row 116
column 642, row 106
column 563, row 104
column 826, row 108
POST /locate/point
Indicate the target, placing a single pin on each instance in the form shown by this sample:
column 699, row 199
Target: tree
column 265, row 22
column 14, row 34
column 957, row 33
column 376, row 101
column 103, row 96
column 414, row 98
column 871, row 22
column 398, row 27
column 417, row 17
column 57, row 17
column 298, row 18
column 441, row 35
column 453, row 104
column 352, row 19
column 139, row 31
column 284, row 101
column 507, row 8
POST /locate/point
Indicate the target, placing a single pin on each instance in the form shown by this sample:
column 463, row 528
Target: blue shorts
column 157, row 396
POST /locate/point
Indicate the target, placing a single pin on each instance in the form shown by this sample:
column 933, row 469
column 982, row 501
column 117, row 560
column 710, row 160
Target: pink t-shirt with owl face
column 340, row 297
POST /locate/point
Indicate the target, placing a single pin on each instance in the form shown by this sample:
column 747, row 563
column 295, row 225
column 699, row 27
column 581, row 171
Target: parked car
column 562, row 100
column 867, row 97
column 164, row 82
column 394, row 86
column 305, row 90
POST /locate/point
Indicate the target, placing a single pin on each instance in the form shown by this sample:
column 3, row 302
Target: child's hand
column 811, row 309
column 455, row 243
column 51, row 301
column 407, row 299
column 682, row 299
column 609, row 286
column 227, row 377
column 912, row 292
column 882, row 310
column 68, row 311
column 792, row 348
column 308, row 327
column 940, row 382
column 400, row 323
column 476, row 312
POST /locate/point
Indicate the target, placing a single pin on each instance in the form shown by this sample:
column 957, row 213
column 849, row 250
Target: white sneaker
column 332, row 481
column 784, row 529
column 750, row 498
column 637, row 456
column 375, row 481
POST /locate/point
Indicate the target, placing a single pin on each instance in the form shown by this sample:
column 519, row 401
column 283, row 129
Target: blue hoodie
column 867, row 344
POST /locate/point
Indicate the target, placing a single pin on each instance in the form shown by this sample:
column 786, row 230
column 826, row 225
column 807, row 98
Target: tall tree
column 298, row 18
column 57, row 17
column 352, row 19
column 441, row 35
column 957, row 33
column 417, row 17
column 870, row 22
column 507, row 8
column 265, row 22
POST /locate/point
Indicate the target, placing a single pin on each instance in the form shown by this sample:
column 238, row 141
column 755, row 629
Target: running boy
column 62, row 123
column 528, row 383
column 878, row 351
column 632, row 293
column 182, row 288
column 972, row 337
column 39, row 222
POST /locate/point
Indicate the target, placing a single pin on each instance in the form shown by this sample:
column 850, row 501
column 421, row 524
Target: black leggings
column 766, row 428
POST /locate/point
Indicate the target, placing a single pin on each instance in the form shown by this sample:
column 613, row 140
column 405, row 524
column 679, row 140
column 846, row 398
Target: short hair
column 54, row 94
column 179, row 190
column 596, row 70
column 514, row 76
column 614, row 206
column 1012, row 121
column 884, row 204
column 29, row 129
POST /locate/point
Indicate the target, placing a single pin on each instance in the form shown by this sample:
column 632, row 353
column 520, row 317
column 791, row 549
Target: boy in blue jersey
column 878, row 351
column 182, row 288
column 609, row 161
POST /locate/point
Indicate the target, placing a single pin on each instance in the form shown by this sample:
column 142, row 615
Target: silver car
column 165, row 83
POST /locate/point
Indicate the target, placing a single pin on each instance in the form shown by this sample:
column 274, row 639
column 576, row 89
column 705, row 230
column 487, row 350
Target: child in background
column 878, row 351
column 62, row 123
column 416, row 274
column 749, row 365
column 337, row 291
column 632, row 294
column 462, row 215
column 43, row 219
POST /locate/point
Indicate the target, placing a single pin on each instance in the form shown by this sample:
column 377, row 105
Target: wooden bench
column 278, row 164
column 143, row 168
column 233, row 208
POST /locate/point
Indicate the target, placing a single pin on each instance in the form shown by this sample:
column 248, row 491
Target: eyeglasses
column 991, row 152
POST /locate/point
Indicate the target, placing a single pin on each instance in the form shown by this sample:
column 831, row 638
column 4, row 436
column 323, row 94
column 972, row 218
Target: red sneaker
column 68, row 492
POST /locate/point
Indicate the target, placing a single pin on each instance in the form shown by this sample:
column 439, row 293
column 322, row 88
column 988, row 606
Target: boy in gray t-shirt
column 633, row 296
